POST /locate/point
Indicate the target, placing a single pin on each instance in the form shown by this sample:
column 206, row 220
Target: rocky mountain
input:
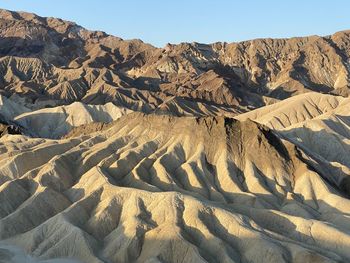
column 53, row 62
column 113, row 150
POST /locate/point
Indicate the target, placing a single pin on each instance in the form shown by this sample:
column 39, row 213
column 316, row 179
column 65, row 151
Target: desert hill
column 113, row 150
column 146, row 190
column 53, row 62
column 57, row 121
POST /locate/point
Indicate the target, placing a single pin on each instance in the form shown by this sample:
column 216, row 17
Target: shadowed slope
column 163, row 189
column 319, row 124
column 271, row 185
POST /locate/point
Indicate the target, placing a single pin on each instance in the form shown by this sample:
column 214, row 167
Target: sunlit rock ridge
column 113, row 150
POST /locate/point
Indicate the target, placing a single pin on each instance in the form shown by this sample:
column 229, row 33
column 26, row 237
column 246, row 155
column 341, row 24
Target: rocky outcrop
column 154, row 188
column 6, row 128
column 52, row 62
column 117, row 151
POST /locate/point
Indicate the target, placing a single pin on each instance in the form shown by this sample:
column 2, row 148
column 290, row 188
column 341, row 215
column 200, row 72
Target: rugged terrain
column 53, row 62
column 114, row 150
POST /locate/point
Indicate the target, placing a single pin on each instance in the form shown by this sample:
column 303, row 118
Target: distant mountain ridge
column 53, row 62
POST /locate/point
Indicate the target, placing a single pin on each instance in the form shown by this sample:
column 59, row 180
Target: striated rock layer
column 115, row 151
column 53, row 62
column 166, row 189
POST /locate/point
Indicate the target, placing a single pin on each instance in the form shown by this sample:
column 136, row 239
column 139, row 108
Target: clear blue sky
column 160, row 21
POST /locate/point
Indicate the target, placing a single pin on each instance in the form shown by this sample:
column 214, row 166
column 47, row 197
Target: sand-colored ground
column 244, row 155
column 155, row 188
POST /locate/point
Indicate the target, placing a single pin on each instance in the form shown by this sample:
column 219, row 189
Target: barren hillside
column 113, row 150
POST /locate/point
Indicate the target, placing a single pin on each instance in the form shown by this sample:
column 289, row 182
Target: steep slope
column 53, row 62
column 327, row 137
column 295, row 110
column 57, row 121
column 319, row 124
column 9, row 109
column 113, row 150
column 147, row 190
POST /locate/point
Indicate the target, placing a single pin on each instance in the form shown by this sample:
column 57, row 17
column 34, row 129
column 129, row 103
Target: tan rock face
column 151, row 188
column 117, row 151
